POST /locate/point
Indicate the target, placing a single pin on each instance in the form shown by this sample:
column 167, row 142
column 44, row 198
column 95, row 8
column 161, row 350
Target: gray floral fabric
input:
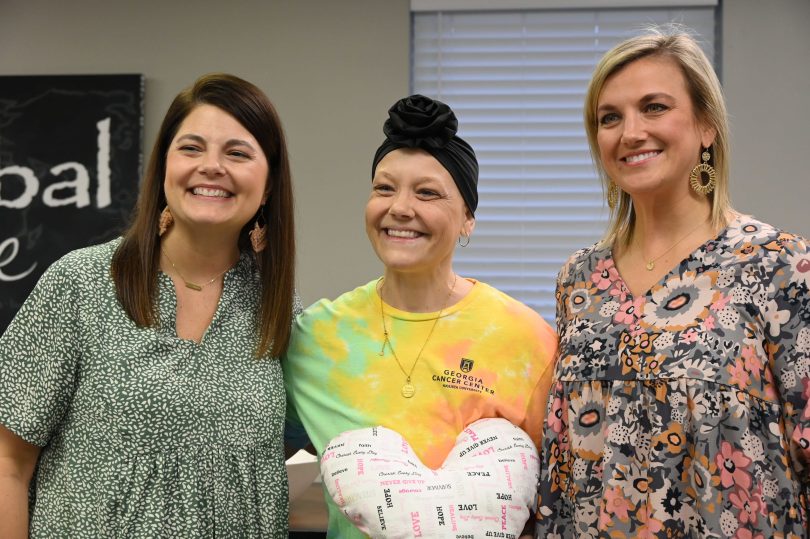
column 682, row 412
column 143, row 434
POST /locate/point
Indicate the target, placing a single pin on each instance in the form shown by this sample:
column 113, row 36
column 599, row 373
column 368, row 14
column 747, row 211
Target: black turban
column 421, row 122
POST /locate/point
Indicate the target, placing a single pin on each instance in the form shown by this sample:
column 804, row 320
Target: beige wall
column 334, row 66
column 331, row 67
column 766, row 76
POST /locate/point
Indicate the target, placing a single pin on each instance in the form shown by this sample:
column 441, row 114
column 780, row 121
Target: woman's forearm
column 13, row 503
column 18, row 459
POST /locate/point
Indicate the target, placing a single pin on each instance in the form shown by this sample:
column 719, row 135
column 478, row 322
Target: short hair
column 707, row 101
column 136, row 261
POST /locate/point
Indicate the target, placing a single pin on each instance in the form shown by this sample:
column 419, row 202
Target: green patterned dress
column 144, row 434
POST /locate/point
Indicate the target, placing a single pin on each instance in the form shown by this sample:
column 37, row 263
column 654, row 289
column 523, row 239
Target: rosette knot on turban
column 421, row 122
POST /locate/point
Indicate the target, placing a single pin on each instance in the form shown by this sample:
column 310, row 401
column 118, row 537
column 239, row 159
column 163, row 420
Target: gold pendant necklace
column 193, row 286
column 408, row 390
column 650, row 265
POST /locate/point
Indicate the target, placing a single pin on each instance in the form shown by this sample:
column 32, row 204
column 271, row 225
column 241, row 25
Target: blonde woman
column 679, row 403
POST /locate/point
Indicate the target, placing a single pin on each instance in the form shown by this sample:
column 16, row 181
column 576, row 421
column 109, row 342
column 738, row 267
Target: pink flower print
column 732, row 464
column 616, row 503
column 801, row 435
column 752, row 362
column 628, row 312
column 555, row 416
column 619, row 291
column 721, row 303
column 605, row 274
column 709, row 324
column 770, row 387
column 749, row 506
column 689, row 336
column 739, row 375
column 650, row 526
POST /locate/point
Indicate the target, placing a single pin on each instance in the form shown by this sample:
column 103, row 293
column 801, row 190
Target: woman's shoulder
column 86, row 261
column 746, row 234
column 583, row 259
column 345, row 304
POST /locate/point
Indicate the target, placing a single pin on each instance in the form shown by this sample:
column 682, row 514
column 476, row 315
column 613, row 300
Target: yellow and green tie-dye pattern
column 489, row 356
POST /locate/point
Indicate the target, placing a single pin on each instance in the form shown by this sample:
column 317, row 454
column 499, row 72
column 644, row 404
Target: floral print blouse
column 682, row 412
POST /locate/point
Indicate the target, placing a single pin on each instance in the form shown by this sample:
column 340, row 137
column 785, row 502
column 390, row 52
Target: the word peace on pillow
column 485, row 487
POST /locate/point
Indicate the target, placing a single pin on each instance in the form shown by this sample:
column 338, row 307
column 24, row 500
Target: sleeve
column 787, row 333
column 545, row 357
column 39, row 356
column 295, row 435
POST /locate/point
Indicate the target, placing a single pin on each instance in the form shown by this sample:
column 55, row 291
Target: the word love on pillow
column 484, row 488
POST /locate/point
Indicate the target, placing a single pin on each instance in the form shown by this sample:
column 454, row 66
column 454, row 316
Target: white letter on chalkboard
column 31, row 186
column 15, row 246
column 103, row 163
column 81, row 184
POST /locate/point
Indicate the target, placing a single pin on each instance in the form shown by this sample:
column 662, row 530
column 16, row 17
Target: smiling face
column 216, row 172
column 415, row 213
column 648, row 135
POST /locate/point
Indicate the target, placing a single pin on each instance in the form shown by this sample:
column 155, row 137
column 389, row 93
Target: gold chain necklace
column 407, row 389
column 193, row 286
column 651, row 262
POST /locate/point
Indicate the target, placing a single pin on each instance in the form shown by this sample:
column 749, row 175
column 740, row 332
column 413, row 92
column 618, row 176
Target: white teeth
column 640, row 157
column 402, row 233
column 206, row 192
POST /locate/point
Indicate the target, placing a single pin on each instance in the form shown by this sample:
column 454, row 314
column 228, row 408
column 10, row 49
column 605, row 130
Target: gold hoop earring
column 165, row 221
column 466, row 243
column 258, row 236
column 696, row 176
column 612, row 195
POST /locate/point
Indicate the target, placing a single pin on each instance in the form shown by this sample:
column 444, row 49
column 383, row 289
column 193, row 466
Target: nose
column 401, row 205
column 633, row 130
column 210, row 166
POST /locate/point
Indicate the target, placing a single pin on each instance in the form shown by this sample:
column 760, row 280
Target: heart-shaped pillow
column 485, row 487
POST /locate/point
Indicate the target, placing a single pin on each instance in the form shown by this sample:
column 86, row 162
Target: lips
column 639, row 157
column 211, row 192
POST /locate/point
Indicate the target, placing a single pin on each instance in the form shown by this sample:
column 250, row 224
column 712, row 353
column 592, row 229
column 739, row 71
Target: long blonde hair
column 707, row 101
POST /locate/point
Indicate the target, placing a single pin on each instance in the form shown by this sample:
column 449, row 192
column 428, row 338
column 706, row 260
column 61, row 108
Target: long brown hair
column 135, row 262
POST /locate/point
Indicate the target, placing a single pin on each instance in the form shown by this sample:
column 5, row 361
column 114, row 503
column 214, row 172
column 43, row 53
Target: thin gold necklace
column 193, row 286
column 651, row 262
column 407, row 389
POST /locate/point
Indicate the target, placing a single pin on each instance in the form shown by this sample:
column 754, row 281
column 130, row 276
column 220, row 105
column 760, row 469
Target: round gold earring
column 697, row 175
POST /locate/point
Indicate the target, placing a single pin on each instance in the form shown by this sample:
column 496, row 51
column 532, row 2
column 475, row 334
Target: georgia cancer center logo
column 462, row 380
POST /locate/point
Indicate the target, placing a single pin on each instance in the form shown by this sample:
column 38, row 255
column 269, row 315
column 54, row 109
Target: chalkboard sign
column 70, row 161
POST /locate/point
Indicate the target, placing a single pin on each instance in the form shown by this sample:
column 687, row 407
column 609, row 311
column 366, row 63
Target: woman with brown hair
column 140, row 396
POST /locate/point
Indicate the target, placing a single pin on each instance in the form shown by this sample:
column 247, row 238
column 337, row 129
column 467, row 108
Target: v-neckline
column 676, row 267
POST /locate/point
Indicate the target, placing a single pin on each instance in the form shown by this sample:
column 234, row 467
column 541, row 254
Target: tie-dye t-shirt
column 489, row 356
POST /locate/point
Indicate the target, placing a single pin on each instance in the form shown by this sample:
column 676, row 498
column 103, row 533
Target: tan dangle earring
column 166, row 221
column 696, row 176
column 258, row 236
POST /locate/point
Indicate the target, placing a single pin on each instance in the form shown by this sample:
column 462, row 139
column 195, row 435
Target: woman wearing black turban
column 421, row 350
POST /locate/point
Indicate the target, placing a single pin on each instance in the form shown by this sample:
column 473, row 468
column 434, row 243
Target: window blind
column 517, row 83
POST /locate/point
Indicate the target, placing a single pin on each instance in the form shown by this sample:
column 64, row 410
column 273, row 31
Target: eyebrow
column 645, row 99
column 229, row 142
